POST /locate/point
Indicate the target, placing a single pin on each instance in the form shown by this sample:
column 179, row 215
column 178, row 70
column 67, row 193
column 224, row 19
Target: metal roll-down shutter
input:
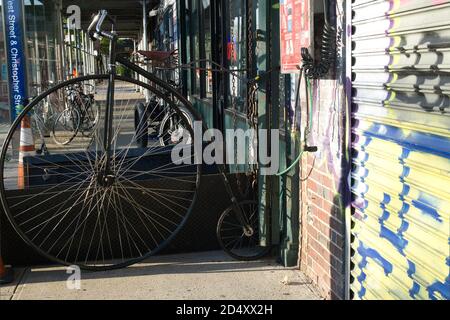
column 400, row 149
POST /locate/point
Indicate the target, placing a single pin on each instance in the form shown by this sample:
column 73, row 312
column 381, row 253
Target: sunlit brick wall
column 322, row 213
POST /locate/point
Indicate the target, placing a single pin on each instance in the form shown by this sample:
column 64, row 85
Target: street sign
column 294, row 33
column 15, row 51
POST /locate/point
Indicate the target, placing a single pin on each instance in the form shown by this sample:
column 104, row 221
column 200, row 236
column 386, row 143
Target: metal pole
column 135, row 58
column 82, row 48
column 36, row 53
column 62, row 49
column 145, row 39
column 88, row 54
column 77, row 50
column 85, row 54
column 92, row 56
column 69, row 46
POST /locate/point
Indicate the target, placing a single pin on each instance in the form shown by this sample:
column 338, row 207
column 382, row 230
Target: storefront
column 243, row 37
column 54, row 49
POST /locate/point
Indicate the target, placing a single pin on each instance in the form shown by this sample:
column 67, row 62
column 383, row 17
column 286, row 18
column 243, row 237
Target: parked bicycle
column 102, row 202
column 80, row 115
column 153, row 119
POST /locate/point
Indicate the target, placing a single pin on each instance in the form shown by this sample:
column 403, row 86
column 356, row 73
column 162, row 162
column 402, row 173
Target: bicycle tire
column 229, row 227
column 61, row 118
column 176, row 133
column 92, row 119
column 9, row 192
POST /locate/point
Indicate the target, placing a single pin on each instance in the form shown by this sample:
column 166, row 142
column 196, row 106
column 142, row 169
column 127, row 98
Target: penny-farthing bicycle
column 100, row 201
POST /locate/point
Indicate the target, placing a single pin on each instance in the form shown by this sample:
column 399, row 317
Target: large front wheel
column 70, row 207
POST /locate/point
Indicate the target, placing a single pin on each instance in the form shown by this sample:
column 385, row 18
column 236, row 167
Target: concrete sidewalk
column 207, row 275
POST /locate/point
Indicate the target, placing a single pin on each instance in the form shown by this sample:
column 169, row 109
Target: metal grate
column 401, row 149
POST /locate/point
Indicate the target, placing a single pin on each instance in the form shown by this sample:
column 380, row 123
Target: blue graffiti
column 405, row 173
column 405, row 191
column 405, row 155
column 366, row 253
column 376, row 256
column 384, row 217
column 438, row 287
column 426, row 203
column 427, row 210
column 414, row 141
column 386, row 198
column 411, row 269
column 414, row 290
column 395, row 239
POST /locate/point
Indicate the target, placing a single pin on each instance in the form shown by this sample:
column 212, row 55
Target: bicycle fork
column 107, row 176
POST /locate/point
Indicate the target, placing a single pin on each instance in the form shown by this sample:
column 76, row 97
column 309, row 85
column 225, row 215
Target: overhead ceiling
column 128, row 14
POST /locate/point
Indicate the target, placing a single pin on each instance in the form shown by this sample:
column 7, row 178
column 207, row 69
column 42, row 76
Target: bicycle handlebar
column 95, row 28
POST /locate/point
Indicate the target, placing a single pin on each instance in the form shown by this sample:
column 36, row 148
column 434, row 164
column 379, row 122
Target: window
column 236, row 53
column 207, row 76
column 200, row 47
column 4, row 99
column 201, row 22
column 194, row 45
column 41, row 25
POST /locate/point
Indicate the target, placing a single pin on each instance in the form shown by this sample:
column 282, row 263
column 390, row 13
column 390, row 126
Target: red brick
column 336, row 225
column 314, row 186
column 327, row 206
column 327, row 182
column 322, row 227
column 323, row 216
column 311, row 231
column 336, row 251
column 317, row 200
column 336, row 263
column 320, row 249
column 337, row 239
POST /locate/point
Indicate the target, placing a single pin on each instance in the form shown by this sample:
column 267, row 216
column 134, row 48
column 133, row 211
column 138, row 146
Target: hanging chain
column 232, row 95
column 252, row 107
column 233, row 78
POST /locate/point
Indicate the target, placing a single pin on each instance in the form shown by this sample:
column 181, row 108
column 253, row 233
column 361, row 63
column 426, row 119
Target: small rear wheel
column 234, row 240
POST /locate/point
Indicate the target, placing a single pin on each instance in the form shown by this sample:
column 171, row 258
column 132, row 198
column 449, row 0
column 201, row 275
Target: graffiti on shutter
column 401, row 149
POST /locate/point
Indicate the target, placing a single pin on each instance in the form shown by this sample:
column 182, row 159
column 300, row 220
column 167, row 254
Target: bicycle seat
column 160, row 56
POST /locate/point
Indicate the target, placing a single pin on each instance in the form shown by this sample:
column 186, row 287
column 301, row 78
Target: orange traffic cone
column 26, row 148
column 6, row 274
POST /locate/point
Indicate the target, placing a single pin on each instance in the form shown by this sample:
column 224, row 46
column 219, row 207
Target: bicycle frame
column 112, row 71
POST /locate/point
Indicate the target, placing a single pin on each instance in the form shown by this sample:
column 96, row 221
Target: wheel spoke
column 66, row 201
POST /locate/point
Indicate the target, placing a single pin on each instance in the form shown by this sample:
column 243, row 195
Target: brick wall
column 322, row 216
